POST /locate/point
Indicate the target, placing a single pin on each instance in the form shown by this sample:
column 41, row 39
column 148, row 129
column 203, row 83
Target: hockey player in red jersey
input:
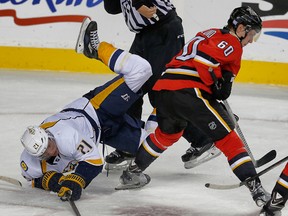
column 279, row 196
column 188, row 92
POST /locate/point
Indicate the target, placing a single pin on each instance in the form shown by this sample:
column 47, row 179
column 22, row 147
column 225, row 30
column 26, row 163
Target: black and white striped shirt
column 135, row 21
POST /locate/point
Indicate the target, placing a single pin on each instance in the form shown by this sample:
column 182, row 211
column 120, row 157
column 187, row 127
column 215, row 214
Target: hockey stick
column 74, row 207
column 232, row 186
column 11, row 181
column 257, row 163
column 266, row 158
column 71, row 202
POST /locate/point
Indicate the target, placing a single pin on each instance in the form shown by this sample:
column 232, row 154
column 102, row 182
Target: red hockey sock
column 163, row 140
column 231, row 145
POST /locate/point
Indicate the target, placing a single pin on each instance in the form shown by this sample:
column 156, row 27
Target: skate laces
column 192, row 150
column 253, row 186
column 259, row 195
column 116, row 154
column 94, row 39
column 133, row 168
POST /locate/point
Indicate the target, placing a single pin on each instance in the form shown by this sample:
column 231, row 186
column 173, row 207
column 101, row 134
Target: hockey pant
column 224, row 137
column 112, row 100
column 192, row 134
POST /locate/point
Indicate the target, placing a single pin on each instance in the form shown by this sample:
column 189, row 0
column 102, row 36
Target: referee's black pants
column 158, row 44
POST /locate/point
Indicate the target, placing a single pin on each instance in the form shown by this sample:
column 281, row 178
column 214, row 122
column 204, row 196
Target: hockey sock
column 108, row 54
column 238, row 158
column 135, row 70
column 281, row 186
column 153, row 146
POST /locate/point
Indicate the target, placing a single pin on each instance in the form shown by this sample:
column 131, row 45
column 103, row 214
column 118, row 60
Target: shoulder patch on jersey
column 71, row 166
column 24, row 166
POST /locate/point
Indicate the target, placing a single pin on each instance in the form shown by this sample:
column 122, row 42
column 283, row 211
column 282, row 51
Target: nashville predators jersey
column 76, row 141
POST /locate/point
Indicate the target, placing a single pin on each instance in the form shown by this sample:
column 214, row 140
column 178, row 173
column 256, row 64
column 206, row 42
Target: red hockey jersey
column 214, row 48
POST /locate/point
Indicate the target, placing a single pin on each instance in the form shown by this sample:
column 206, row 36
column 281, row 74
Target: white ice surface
column 27, row 98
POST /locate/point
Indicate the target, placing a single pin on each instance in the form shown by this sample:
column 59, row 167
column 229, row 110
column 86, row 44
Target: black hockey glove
column 71, row 187
column 49, row 181
column 221, row 89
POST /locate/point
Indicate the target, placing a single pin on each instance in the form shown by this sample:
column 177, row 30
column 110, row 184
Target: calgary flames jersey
column 215, row 49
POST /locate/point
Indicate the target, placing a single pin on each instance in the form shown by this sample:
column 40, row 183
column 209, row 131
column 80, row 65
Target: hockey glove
column 71, row 187
column 49, row 181
column 222, row 88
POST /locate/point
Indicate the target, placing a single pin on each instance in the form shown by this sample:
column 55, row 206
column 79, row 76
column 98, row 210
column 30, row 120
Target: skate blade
column 199, row 161
column 79, row 48
column 121, row 166
column 128, row 187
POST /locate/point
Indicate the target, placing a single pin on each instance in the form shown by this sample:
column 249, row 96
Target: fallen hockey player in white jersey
column 68, row 141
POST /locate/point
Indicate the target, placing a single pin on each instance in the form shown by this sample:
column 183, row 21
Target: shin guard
column 153, row 146
column 105, row 52
column 281, row 186
column 238, row 158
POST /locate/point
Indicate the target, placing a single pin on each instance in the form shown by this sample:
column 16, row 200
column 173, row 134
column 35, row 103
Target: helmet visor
column 252, row 33
column 51, row 149
column 45, row 155
column 256, row 37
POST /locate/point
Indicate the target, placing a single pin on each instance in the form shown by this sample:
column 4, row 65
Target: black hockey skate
column 88, row 40
column 274, row 206
column 118, row 160
column 195, row 156
column 133, row 178
column 259, row 194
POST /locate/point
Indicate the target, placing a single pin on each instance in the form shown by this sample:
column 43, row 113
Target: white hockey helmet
column 35, row 140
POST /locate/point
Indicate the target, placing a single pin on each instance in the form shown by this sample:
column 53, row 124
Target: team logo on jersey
column 126, row 97
column 212, row 125
column 24, row 166
column 71, row 166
